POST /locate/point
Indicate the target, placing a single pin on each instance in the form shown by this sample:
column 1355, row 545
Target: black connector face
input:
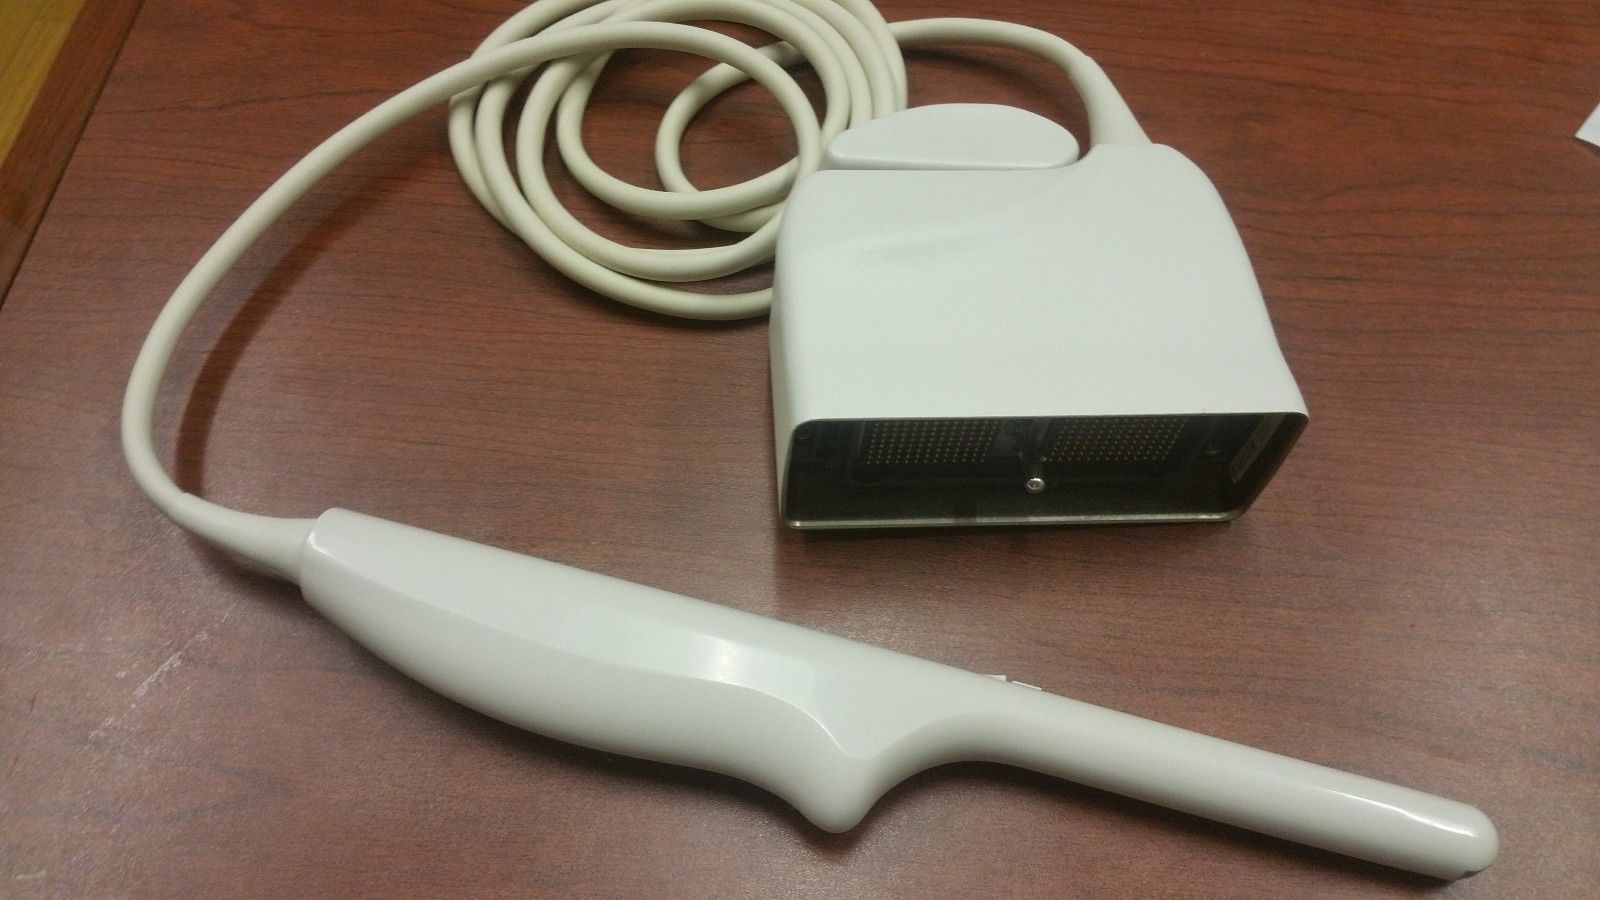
column 907, row 472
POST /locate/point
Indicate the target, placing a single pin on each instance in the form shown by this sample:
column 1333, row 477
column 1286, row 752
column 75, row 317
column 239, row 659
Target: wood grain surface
column 31, row 32
column 31, row 164
column 1414, row 598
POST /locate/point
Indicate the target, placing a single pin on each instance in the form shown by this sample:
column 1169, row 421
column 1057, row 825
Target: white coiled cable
column 563, row 45
column 856, row 55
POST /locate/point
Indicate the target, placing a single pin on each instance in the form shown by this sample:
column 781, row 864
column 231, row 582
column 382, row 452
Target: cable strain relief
column 1111, row 120
column 270, row 541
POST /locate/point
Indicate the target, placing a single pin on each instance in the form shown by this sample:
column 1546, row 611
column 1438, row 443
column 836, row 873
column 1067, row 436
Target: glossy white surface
column 826, row 723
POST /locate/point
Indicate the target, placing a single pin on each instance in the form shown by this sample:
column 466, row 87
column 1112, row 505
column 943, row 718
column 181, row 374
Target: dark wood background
column 1414, row 598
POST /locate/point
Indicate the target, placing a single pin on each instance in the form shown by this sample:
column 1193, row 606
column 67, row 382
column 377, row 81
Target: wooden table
column 1416, row 597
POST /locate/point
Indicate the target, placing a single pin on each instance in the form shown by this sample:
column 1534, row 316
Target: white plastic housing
column 826, row 723
column 1115, row 285
column 954, row 136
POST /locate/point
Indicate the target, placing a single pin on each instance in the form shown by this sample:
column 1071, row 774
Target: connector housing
column 1022, row 343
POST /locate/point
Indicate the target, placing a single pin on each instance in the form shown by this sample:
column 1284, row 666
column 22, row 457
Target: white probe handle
column 826, row 723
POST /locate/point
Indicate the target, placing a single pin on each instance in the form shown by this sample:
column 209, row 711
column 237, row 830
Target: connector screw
column 1034, row 485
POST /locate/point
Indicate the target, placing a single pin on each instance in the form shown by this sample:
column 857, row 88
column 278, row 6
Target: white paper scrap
column 1590, row 130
